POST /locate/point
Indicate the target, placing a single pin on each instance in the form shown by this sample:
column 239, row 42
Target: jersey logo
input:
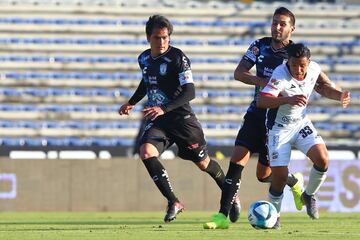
column 260, row 58
column 163, row 68
column 292, row 86
column 255, row 50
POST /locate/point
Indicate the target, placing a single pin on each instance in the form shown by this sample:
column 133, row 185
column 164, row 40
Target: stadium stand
column 66, row 66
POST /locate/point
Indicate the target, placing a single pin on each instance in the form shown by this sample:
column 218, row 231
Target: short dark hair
column 298, row 50
column 286, row 12
column 158, row 21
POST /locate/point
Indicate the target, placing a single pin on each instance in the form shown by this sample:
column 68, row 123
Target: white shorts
column 301, row 135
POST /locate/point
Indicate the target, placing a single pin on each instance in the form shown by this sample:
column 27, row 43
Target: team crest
column 255, row 50
column 163, row 68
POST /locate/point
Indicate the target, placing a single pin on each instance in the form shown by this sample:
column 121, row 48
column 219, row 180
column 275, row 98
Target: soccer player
column 266, row 54
column 168, row 83
column 286, row 96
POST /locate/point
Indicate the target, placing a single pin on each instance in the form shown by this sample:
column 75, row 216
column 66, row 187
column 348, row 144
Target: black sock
column 291, row 180
column 215, row 171
column 230, row 187
column 159, row 175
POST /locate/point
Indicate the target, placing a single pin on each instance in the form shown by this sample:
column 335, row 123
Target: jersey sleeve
column 252, row 52
column 184, row 70
column 274, row 86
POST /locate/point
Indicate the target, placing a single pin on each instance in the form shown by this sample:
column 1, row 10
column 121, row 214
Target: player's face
column 159, row 41
column 298, row 67
column 281, row 28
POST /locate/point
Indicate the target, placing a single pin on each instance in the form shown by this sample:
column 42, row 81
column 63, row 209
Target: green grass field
column 149, row 226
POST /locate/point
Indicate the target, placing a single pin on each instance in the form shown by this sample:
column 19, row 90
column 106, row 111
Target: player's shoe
column 219, row 221
column 310, row 203
column 277, row 225
column 234, row 213
column 297, row 190
column 173, row 209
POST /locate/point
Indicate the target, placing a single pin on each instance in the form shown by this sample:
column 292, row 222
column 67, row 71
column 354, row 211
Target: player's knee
column 264, row 179
column 203, row 164
column 323, row 162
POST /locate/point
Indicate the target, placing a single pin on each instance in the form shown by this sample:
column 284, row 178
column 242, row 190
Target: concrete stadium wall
column 120, row 184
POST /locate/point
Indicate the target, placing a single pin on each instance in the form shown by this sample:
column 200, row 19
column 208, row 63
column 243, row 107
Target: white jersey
column 283, row 84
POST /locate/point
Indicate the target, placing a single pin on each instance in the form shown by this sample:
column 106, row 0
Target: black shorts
column 252, row 135
column 185, row 131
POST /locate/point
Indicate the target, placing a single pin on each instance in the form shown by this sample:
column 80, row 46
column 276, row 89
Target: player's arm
column 242, row 73
column 266, row 100
column 139, row 94
column 328, row 89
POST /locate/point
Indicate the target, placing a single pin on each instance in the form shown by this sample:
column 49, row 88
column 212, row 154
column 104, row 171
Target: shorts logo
column 163, row 68
column 193, row 146
column 202, row 154
column 274, row 155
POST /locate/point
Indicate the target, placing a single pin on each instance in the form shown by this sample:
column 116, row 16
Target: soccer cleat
column 277, row 225
column 310, row 203
column 297, row 190
column 234, row 213
column 219, row 221
column 173, row 209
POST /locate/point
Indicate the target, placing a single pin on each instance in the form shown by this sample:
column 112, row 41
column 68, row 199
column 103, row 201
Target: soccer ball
column 262, row 215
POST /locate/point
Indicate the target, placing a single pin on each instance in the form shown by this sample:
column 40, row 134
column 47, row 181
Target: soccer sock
column 291, row 180
column 215, row 171
column 316, row 179
column 275, row 198
column 160, row 177
column 230, row 187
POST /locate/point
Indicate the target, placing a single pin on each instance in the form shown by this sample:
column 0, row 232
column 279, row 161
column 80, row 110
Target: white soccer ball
column 262, row 215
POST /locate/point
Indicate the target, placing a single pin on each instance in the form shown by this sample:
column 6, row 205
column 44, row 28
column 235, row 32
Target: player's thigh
column 189, row 137
column 279, row 147
column 153, row 142
column 252, row 134
column 312, row 145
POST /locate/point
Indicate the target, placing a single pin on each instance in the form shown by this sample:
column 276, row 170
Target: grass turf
column 149, row 226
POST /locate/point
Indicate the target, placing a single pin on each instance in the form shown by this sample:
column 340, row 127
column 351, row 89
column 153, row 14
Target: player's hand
column 263, row 82
column 298, row 100
column 125, row 109
column 152, row 112
column 345, row 99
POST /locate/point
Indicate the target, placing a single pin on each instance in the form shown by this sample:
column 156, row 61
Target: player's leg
column 294, row 181
column 150, row 150
column 311, row 144
column 229, row 200
column 279, row 148
column 279, row 178
column 319, row 156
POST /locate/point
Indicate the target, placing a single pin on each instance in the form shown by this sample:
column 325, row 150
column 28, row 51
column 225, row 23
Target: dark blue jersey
column 266, row 59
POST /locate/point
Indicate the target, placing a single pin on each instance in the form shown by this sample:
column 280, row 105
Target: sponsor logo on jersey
column 292, row 86
column 163, row 68
column 268, row 71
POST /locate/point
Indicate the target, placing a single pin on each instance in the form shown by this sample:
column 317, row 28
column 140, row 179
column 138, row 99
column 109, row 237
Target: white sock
column 276, row 201
column 316, row 179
